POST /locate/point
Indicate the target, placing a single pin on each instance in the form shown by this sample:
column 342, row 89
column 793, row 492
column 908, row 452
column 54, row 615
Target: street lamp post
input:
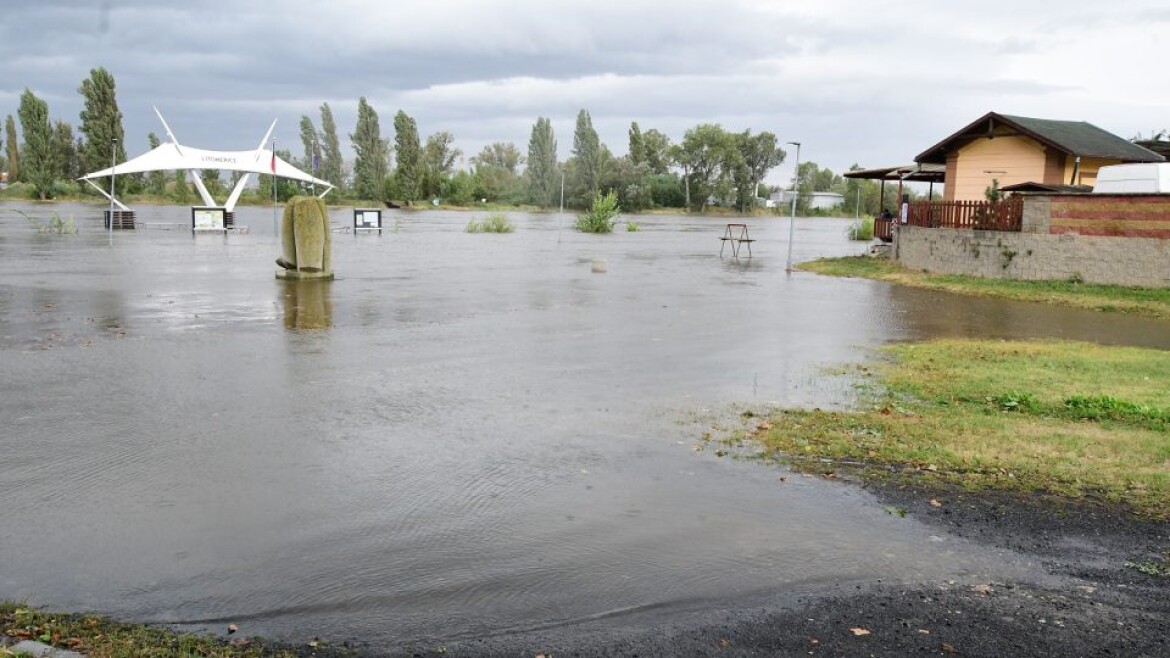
column 792, row 219
column 113, row 177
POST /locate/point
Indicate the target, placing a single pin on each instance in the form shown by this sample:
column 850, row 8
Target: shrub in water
column 493, row 224
column 632, row 226
column 600, row 217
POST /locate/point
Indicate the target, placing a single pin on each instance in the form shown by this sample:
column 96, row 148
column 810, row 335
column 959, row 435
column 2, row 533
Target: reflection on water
column 488, row 436
column 307, row 304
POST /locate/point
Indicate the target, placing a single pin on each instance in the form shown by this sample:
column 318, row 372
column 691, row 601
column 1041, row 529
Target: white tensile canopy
column 174, row 156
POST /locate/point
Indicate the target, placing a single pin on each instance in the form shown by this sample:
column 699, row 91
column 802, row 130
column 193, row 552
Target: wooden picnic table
column 737, row 235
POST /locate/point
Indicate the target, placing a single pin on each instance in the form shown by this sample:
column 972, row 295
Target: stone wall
column 1064, row 237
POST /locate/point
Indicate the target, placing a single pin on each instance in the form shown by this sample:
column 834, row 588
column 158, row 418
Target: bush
column 632, row 226
column 601, row 214
column 862, row 231
column 497, row 223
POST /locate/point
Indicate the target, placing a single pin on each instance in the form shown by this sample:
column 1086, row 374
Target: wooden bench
column 737, row 235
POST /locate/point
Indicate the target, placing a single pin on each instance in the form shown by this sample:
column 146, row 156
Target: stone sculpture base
column 303, row 275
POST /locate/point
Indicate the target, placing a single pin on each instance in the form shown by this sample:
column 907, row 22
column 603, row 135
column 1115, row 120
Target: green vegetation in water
column 601, row 214
column 497, row 223
column 1075, row 420
column 56, row 225
column 632, row 227
column 1150, row 302
column 98, row 637
column 861, row 230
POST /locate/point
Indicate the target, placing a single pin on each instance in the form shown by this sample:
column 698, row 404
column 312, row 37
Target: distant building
column 816, row 200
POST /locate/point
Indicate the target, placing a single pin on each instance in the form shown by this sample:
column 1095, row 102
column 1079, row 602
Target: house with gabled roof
column 1015, row 150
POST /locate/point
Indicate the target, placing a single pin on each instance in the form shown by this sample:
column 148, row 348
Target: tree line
column 709, row 166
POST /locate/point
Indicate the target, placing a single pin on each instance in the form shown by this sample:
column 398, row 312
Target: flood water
column 464, row 434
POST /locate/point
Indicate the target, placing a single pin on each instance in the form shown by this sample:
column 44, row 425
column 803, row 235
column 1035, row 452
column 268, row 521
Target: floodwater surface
column 464, row 434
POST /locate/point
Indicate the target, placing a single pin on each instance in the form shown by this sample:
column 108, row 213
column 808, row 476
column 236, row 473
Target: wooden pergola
column 918, row 172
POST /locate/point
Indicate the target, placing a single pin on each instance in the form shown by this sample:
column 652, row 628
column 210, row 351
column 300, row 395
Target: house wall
column 1021, row 159
column 1114, row 239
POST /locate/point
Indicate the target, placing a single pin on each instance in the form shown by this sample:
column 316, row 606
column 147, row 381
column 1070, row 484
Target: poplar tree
column 407, row 157
column 587, row 150
column 369, row 168
column 309, row 139
column 38, row 163
column 331, row 161
column 101, row 122
column 542, row 162
column 13, row 143
column 65, row 151
column 637, row 145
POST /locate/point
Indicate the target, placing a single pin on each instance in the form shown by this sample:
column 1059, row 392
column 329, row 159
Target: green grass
column 98, row 637
column 1075, row 420
column 861, row 230
column 1150, row 302
column 497, row 223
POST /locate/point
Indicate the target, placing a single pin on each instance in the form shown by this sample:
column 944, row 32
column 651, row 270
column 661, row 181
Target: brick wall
column 1117, row 239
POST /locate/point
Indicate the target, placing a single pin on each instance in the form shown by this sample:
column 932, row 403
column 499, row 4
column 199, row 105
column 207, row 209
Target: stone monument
column 305, row 242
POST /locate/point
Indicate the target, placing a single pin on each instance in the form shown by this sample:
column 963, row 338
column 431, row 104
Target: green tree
column 182, row 191
column 656, row 151
column 407, row 157
column 542, row 163
column 703, row 154
column 759, row 154
column 309, row 140
column 39, row 165
column 637, row 145
column 66, row 151
column 502, row 155
column 13, row 150
column 438, row 159
column 331, row 160
column 101, row 122
column 587, row 151
column 157, row 182
column 369, row 168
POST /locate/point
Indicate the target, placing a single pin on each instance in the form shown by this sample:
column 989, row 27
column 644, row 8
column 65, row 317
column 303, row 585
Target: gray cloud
column 855, row 81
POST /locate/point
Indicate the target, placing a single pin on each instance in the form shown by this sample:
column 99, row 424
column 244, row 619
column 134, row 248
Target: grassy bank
column 98, row 637
column 1150, row 302
column 1076, row 420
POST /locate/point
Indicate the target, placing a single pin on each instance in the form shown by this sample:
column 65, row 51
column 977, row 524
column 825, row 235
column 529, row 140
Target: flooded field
column 464, row 434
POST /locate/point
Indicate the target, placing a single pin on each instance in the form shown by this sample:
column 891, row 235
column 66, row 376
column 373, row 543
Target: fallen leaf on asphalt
column 983, row 589
column 313, row 643
column 948, row 648
column 232, row 628
column 724, row 642
column 857, row 630
column 935, row 503
column 813, row 640
column 924, row 631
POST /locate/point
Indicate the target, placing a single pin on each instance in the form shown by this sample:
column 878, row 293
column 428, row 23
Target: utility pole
column 113, row 177
column 795, row 194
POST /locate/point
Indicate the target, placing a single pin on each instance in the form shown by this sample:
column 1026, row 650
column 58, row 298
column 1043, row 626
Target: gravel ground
column 1092, row 604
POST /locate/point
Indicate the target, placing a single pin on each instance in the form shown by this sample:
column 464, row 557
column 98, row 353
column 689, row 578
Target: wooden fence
column 1006, row 215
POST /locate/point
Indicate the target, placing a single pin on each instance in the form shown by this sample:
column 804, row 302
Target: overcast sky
column 854, row 80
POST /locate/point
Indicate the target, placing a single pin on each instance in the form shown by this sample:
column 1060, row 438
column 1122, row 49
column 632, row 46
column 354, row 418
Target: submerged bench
column 737, row 235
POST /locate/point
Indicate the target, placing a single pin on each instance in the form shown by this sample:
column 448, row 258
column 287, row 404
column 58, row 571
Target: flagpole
column 275, row 229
